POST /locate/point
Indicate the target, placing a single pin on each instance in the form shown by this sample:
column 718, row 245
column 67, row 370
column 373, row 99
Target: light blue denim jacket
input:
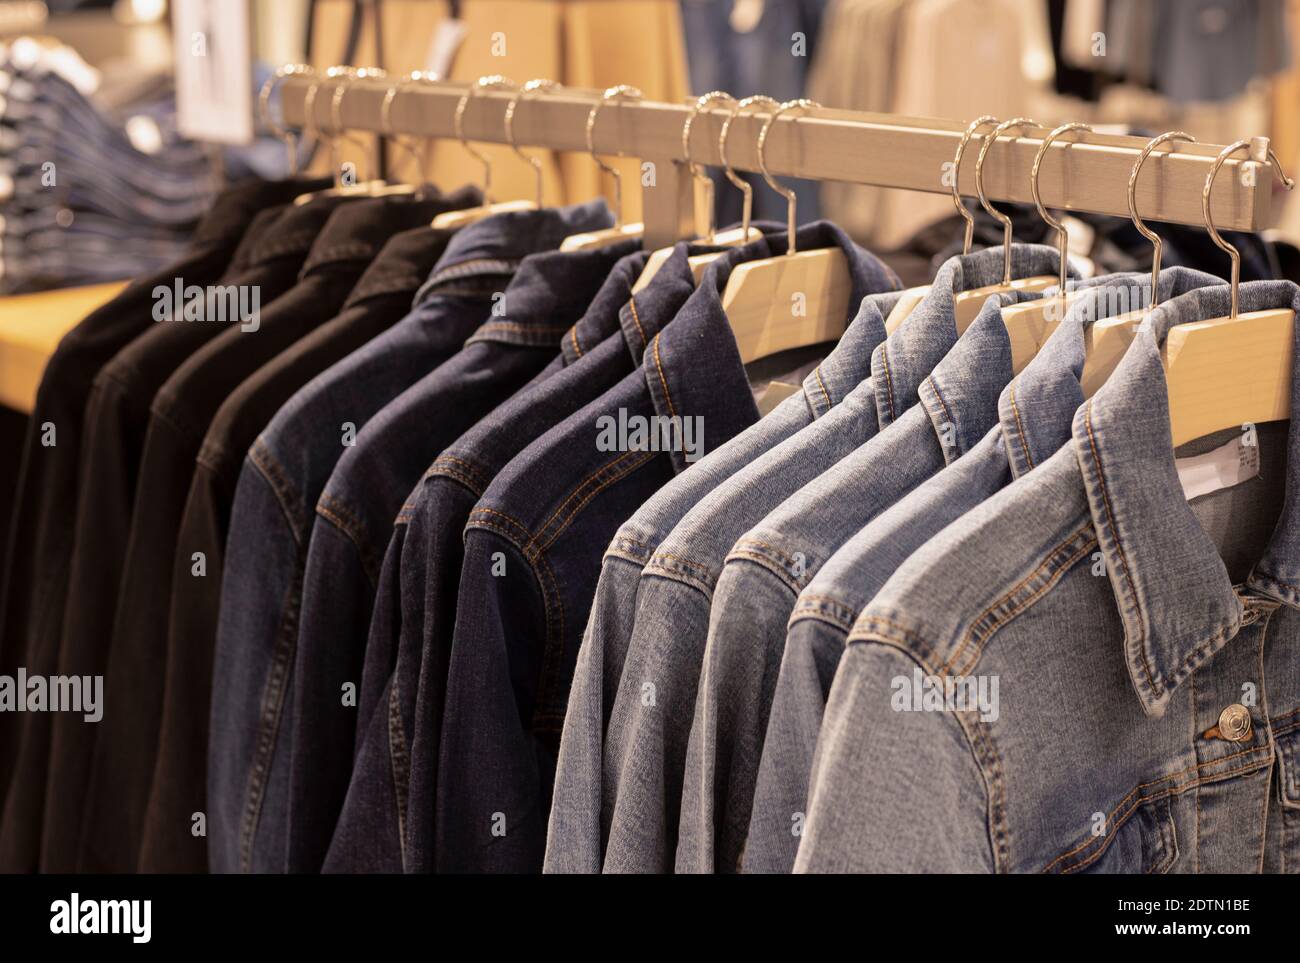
column 1034, row 414
column 648, row 729
column 1136, row 654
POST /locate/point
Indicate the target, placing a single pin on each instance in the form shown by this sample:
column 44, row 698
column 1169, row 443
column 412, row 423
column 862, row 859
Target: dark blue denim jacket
column 547, row 516
column 355, row 513
column 404, row 677
column 1146, row 712
column 273, row 511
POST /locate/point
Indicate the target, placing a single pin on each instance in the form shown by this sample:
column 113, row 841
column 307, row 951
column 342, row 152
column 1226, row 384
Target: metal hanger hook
column 745, row 188
column 534, row 162
column 264, row 109
column 1224, row 154
column 348, row 78
column 309, row 123
column 974, row 125
column 1150, row 235
column 611, row 93
column 386, row 125
column 1062, row 235
column 994, row 134
column 791, row 199
column 697, row 170
column 492, row 80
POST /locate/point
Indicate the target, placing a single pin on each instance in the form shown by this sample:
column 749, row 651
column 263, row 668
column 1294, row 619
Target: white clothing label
column 1229, row 464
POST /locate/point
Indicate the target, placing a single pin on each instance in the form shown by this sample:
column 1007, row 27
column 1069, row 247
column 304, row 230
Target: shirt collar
column 602, row 317
column 400, row 266
column 1157, row 555
column 906, row 357
column 1037, row 408
column 548, row 293
column 496, row 244
column 235, row 207
column 358, row 229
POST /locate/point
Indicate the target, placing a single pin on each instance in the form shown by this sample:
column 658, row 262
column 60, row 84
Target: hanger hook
column 1150, row 235
column 974, row 125
column 492, row 80
column 353, row 75
column 1224, row 154
column 994, row 134
column 745, row 188
column 697, row 170
column 309, row 123
column 1062, row 235
column 611, row 93
column 791, row 199
column 386, row 125
column 535, row 162
column 264, row 108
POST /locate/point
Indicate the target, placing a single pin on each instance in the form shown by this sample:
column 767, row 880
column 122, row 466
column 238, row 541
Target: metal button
column 1234, row 723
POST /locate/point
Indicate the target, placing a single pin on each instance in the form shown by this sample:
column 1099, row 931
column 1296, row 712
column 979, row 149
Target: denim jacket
column 285, row 472
column 1034, row 414
column 1117, row 689
column 677, row 586
column 575, row 836
column 547, row 517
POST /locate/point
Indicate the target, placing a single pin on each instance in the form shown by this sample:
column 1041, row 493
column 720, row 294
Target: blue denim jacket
column 1125, row 691
column 547, row 516
column 676, row 588
column 404, row 676
column 273, row 511
column 575, row 836
column 355, row 512
column 1034, row 414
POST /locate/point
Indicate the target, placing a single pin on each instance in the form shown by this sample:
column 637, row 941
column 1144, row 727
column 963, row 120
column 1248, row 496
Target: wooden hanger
column 1228, row 372
column 591, row 240
column 797, row 299
column 967, row 304
column 705, row 216
column 454, row 220
column 1108, row 338
column 1030, row 323
column 910, row 298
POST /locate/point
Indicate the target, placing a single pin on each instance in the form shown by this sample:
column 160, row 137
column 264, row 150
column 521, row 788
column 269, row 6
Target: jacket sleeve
column 894, row 789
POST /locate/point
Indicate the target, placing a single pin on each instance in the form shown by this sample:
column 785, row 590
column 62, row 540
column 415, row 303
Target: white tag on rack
column 447, row 38
column 214, row 70
column 1225, row 466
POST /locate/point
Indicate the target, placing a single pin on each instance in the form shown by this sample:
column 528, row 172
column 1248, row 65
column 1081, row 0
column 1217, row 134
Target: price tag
column 214, row 70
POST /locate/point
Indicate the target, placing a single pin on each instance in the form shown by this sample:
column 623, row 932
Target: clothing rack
column 907, row 153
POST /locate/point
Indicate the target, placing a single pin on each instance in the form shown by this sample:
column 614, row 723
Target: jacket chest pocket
column 1144, row 842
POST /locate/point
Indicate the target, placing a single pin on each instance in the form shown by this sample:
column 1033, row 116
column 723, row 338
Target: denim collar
column 548, row 293
column 602, row 317
column 357, row 230
column 901, row 363
column 849, row 363
column 401, row 265
column 1037, row 408
column 961, row 394
column 496, row 244
column 235, row 207
column 1157, row 555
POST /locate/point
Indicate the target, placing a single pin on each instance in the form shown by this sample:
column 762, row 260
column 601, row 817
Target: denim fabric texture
column 126, row 741
column 40, row 541
column 1122, row 623
column 283, row 476
column 365, row 494
column 575, row 837
column 646, row 745
column 55, row 749
column 846, row 551
column 380, row 298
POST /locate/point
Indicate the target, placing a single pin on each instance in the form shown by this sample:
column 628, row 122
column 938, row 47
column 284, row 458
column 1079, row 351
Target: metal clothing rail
column 1085, row 172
